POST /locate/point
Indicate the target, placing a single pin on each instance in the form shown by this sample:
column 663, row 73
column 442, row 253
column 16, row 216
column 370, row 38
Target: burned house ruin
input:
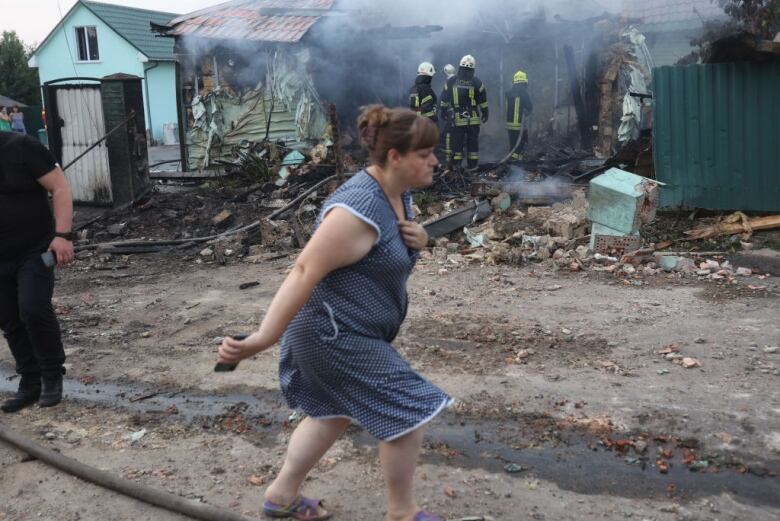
column 264, row 70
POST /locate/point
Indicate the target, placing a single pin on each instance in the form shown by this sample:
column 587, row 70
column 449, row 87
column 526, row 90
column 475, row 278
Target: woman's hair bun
column 370, row 121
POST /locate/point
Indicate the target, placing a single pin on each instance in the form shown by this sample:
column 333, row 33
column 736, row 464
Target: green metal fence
column 32, row 119
column 716, row 135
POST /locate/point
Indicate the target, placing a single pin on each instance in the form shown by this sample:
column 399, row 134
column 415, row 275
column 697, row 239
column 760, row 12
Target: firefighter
column 446, row 134
column 422, row 98
column 518, row 106
column 465, row 100
column 449, row 70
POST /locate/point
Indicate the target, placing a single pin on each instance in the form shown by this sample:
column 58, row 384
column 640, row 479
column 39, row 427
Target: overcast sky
column 34, row 19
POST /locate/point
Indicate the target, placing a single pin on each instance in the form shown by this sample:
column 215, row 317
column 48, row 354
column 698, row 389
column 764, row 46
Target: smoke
column 360, row 56
column 520, row 183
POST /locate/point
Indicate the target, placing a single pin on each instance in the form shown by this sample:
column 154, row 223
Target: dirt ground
column 557, row 373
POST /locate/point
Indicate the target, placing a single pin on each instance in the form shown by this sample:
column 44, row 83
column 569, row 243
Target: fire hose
column 143, row 493
column 517, row 143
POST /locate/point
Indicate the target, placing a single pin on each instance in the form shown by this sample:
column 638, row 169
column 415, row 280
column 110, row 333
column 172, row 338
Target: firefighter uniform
column 518, row 106
column 422, row 98
column 464, row 99
column 447, row 126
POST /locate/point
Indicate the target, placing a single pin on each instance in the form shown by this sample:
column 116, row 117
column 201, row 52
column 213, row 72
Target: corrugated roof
column 253, row 20
column 133, row 25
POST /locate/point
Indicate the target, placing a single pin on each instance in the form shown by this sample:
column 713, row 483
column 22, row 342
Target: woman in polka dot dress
column 339, row 310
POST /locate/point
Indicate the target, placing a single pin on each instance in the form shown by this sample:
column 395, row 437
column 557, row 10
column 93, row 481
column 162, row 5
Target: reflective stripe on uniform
column 516, row 122
column 426, row 99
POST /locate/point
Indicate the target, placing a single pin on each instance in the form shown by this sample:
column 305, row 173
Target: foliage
column 17, row 80
column 760, row 18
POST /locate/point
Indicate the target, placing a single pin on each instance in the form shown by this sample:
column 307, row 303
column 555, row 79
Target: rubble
column 570, row 219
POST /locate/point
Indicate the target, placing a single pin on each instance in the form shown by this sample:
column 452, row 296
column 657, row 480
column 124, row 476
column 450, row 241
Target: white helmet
column 426, row 69
column 449, row 70
column 468, row 62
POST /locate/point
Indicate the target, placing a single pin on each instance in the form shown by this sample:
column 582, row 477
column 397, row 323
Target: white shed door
column 81, row 109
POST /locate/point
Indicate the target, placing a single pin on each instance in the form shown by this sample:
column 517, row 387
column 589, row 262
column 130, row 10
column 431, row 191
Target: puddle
column 576, row 467
column 140, row 398
column 479, row 445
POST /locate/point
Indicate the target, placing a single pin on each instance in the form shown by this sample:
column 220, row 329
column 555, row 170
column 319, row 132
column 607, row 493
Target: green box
column 622, row 201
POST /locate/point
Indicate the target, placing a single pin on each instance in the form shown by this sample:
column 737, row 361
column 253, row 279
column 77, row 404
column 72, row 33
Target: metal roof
column 254, row 20
column 133, row 25
column 130, row 23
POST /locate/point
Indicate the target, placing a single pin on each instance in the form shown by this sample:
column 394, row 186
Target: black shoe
column 52, row 392
column 28, row 393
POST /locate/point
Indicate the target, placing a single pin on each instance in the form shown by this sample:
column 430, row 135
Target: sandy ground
column 550, row 371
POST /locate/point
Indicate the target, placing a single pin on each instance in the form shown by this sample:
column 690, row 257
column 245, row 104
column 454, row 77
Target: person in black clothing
column 422, row 98
column 518, row 106
column 447, row 126
column 28, row 229
column 465, row 104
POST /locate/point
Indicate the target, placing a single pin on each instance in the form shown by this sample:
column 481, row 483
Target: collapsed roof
column 280, row 21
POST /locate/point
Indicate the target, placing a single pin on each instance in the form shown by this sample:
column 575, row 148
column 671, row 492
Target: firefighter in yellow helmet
column 464, row 100
column 518, row 106
column 422, row 98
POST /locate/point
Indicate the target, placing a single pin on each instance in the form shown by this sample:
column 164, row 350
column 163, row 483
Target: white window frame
column 86, row 43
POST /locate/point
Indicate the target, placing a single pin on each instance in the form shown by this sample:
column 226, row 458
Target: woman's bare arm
column 341, row 240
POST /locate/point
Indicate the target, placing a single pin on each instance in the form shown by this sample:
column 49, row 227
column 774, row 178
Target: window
column 86, row 39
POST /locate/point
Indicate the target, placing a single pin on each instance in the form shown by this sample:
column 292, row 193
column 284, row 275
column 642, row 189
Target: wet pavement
column 574, row 461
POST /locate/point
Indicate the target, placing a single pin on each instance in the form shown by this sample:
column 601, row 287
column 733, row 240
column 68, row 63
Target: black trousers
column 466, row 137
column 27, row 316
column 513, row 136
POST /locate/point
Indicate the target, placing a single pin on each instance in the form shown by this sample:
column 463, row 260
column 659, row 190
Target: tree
column 17, row 80
column 760, row 18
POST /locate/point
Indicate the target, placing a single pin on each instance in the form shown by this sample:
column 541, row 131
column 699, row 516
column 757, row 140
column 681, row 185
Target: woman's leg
column 310, row 441
column 399, row 459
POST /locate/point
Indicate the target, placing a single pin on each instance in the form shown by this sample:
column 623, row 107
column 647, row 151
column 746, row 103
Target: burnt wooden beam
column 579, row 103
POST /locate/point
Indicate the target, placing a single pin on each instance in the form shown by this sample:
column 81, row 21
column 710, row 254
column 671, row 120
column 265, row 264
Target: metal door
column 80, row 109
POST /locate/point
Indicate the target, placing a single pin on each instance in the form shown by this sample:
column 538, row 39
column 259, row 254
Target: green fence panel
column 716, row 135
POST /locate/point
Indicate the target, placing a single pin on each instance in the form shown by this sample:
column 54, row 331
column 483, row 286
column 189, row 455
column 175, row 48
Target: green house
column 95, row 40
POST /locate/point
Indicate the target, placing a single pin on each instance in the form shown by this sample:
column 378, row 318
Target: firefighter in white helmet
column 464, row 100
column 449, row 70
column 446, row 131
column 422, row 98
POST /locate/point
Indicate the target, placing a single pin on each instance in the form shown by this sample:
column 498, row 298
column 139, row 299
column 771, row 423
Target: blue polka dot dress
column 336, row 357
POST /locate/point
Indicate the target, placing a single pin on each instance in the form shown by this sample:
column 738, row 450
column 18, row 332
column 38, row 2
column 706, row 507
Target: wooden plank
column 757, row 224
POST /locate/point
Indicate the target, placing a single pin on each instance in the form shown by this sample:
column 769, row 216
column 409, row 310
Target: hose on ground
column 123, row 486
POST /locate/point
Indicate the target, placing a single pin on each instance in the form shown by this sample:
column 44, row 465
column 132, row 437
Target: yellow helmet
column 520, row 77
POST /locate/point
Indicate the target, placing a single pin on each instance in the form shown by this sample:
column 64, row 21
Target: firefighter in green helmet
column 518, row 106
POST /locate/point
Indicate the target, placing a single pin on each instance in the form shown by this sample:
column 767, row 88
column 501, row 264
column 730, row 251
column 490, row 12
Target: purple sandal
column 422, row 515
column 304, row 509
